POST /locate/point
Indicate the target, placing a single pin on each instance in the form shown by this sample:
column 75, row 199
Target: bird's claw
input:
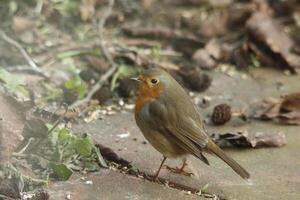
column 177, row 170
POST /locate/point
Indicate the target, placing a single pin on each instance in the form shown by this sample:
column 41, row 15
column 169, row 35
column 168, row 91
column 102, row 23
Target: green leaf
column 123, row 71
column 13, row 83
column 56, row 155
column 156, row 53
column 91, row 166
column 84, row 146
column 53, row 93
column 77, row 85
column 205, row 187
column 13, row 7
column 65, row 7
column 100, row 158
column 61, row 171
column 64, row 136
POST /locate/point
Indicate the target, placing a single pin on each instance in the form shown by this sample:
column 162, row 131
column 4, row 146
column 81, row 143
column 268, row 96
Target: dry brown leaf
column 87, row 9
column 285, row 110
column 21, row 24
column 269, row 37
column 242, row 139
column 290, row 102
column 215, row 25
column 290, row 118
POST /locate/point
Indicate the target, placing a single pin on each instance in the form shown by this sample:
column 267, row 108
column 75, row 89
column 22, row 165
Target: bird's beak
column 136, row 79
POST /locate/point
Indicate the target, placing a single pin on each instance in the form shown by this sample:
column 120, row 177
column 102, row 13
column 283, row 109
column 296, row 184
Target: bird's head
column 152, row 82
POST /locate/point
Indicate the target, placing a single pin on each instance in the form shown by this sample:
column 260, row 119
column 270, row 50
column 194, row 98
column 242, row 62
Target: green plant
column 13, row 83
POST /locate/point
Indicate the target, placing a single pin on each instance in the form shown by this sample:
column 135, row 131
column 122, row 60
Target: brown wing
column 184, row 133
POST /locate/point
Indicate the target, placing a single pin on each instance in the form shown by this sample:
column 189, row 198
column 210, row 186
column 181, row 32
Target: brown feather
column 212, row 147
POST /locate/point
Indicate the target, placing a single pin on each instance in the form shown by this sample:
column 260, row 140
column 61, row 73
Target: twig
column 21, row 49
column 23, row 52
column 39, row 7
column 26, row 69
column 6, row 197
column 106, row 54
column 56, row 123
column 164, row 34
column 26, row 146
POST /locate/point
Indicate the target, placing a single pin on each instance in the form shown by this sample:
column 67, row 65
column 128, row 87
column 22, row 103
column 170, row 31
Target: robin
column 171, row 122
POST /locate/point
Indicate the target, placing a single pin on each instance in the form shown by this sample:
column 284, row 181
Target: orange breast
column 145, row 95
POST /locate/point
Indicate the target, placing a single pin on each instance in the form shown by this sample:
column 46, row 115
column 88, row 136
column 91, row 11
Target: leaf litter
column 285, row 110
column 243, row 139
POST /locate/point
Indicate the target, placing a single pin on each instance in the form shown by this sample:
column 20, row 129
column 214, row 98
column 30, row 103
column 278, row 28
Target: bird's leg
column 163, row 161
column 181, row 169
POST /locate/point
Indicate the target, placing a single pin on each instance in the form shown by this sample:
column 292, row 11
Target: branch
column 22, row 51
column 26, row 69
column 107, row 56
column 6, row 197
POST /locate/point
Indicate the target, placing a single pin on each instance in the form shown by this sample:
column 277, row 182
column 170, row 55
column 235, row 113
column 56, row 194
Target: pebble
column 68, row 197
column 89, row 182
column 124, row 135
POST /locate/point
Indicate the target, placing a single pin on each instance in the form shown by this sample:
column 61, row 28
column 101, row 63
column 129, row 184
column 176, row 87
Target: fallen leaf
column 290, row 118
column 285, row 110
column 61, row 171
column 87, row 9
column 242, row 139
column 270, row 108
column 290, row 102
column 84, row 146
column 269, row 37
column 14, row 84
column 21, row 24
column 215, row 25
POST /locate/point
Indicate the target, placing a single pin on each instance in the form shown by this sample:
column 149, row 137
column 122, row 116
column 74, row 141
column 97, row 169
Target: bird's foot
column 180, row 171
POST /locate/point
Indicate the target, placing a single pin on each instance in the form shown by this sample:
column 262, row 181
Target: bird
column 171, row 122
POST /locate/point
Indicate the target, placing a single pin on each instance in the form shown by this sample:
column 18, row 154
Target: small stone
column 244, row 76
column 89, row 182
column 68, row 197
column 121, row 102
column 231, row 73
column 203, row 59
column 129, row 106
column 287, row 72
column 124, row 135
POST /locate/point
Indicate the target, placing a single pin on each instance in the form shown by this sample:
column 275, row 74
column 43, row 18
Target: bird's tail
column 212, row 147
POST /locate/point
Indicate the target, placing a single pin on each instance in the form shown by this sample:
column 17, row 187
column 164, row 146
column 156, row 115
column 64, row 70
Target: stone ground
column 275, row 172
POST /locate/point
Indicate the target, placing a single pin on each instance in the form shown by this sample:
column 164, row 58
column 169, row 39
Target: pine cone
column 221, row 114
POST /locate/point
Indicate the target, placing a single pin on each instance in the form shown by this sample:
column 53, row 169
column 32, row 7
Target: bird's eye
column 154, row 81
